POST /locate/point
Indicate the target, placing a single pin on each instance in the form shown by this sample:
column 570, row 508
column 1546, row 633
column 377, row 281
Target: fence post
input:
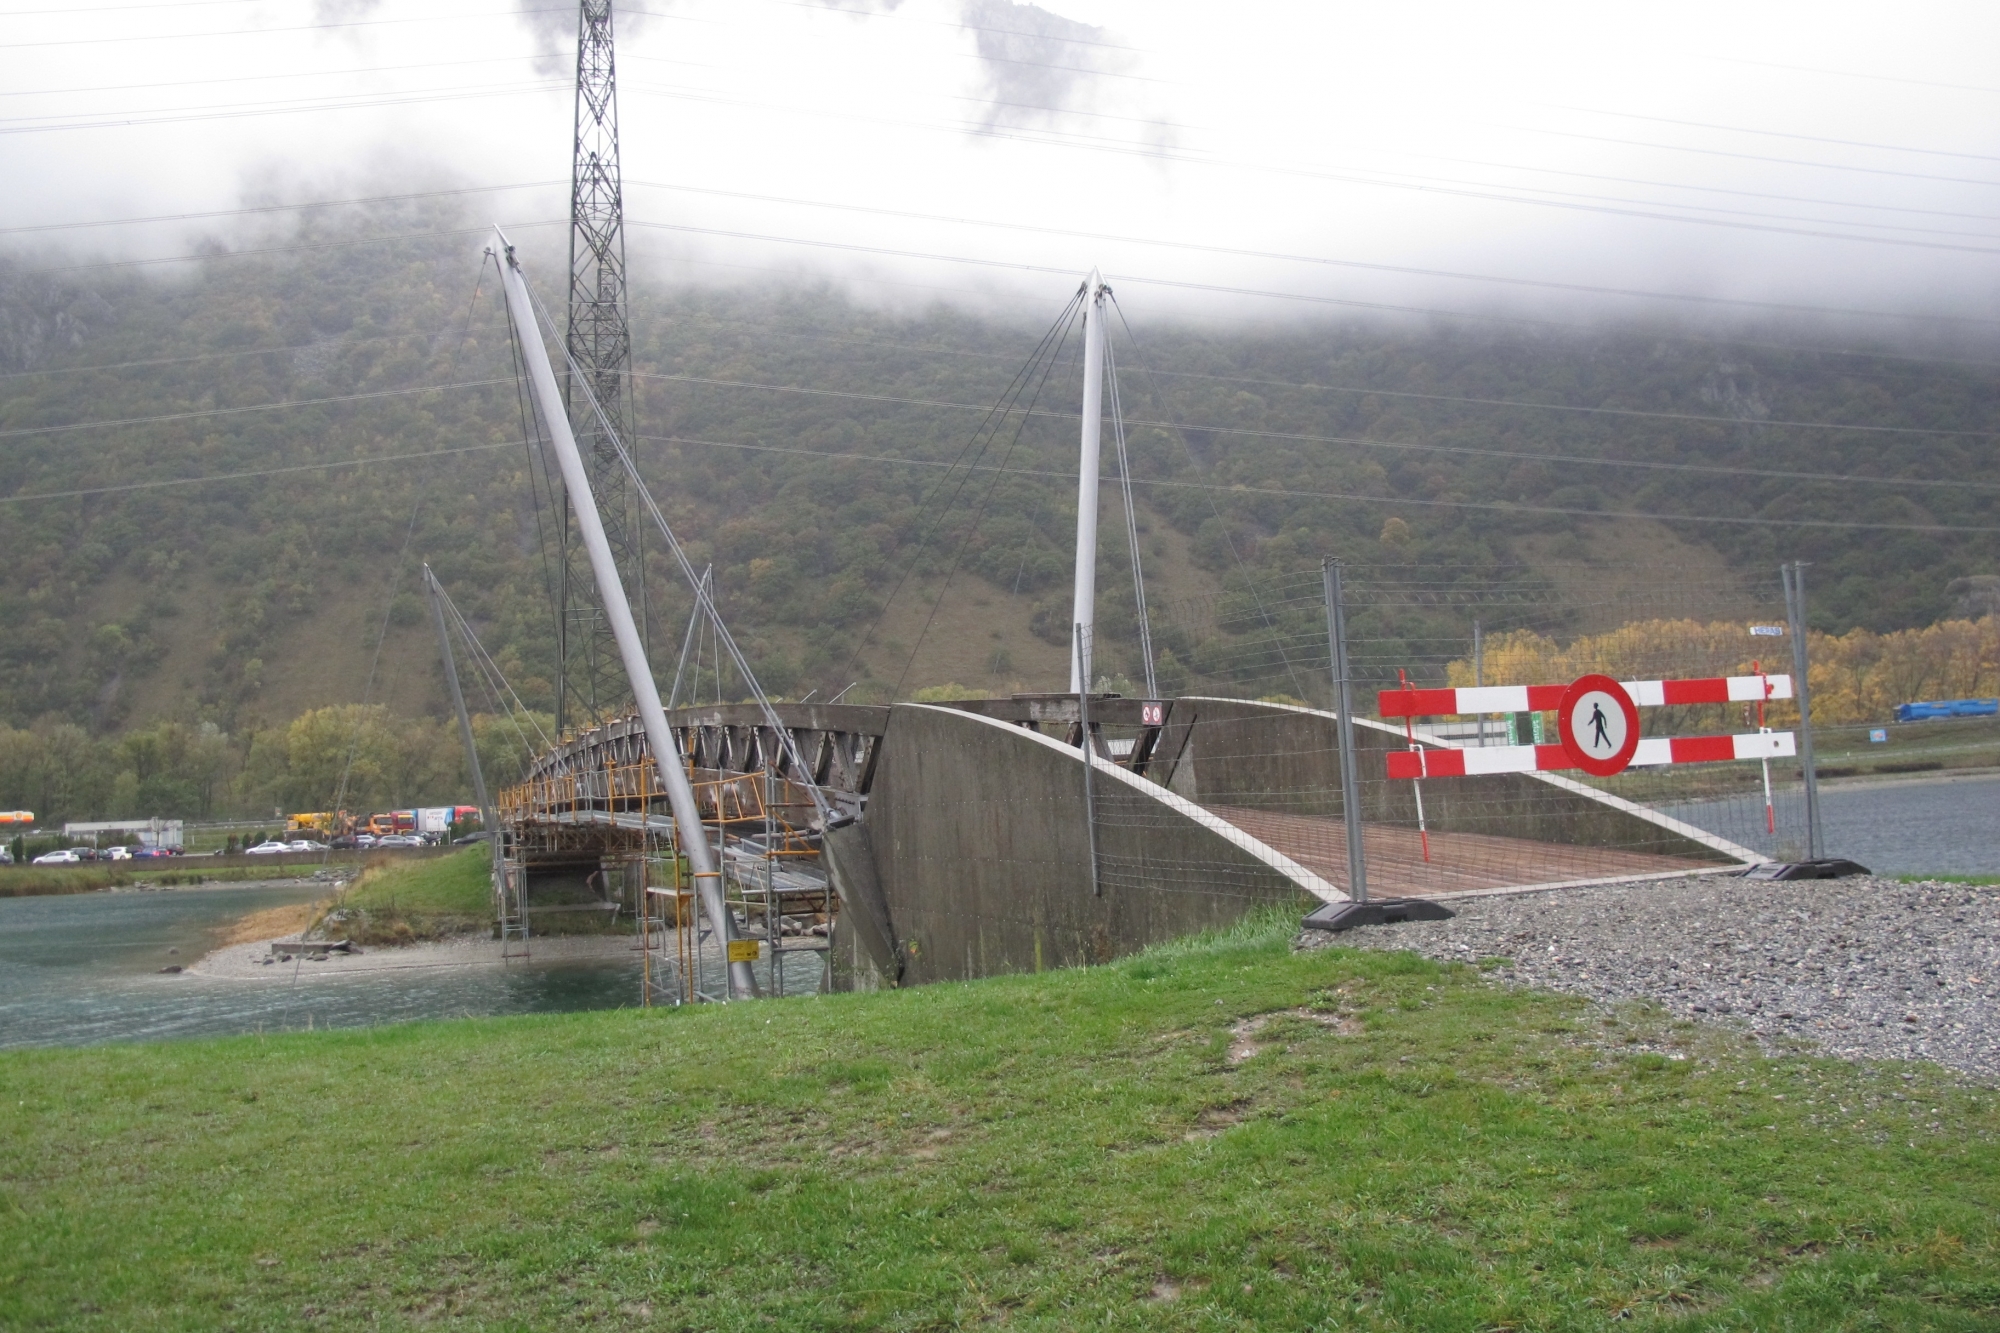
column 1083, row 730
column 1794, row 576
column 1350, row 785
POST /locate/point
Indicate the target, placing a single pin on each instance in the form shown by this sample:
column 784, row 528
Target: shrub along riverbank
column 36, row 881
column 1217, row 1134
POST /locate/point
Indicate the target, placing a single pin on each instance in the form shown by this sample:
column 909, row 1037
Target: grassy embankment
column 35, row 881
column 1220, row 1134
column 402, row 902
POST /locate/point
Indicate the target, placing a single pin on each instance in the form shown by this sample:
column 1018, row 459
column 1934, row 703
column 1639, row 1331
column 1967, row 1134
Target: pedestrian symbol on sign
column 1599, row 725
column 1152, row 714
column 1599, row 740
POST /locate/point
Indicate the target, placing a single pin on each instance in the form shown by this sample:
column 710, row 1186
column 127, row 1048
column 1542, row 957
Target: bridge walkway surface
column 1458, row 862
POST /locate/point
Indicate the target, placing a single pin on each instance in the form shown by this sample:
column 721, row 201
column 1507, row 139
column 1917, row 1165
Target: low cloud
column 1036, row 65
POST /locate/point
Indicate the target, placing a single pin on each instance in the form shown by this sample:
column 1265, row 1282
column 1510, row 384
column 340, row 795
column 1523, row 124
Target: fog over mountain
column 1555, row 161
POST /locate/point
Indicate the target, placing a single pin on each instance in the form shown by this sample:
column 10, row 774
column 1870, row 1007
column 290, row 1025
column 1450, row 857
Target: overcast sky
column 1822, row 154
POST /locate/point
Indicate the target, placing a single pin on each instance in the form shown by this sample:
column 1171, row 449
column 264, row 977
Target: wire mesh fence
column 1253, row 740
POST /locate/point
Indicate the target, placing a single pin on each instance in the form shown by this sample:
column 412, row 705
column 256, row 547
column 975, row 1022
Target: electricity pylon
column 591, row 684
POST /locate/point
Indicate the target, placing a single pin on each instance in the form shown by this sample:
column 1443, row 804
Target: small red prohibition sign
column 1599, row 725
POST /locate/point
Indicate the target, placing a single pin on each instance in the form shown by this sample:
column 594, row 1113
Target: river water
column 85, row 968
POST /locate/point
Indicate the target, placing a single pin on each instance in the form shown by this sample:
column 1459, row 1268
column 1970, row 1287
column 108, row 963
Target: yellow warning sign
column 744, row 951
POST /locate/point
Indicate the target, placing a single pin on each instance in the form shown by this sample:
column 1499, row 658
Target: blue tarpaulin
column 1947, row 708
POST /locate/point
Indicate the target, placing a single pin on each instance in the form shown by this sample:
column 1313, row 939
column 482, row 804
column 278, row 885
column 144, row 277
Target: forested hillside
column 794, row 438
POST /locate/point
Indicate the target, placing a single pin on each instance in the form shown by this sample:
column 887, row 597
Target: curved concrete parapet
column 979, row 854
column 1284, row 758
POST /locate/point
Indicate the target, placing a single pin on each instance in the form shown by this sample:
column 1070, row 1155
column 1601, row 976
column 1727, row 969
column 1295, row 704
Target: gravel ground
column 1866, row 968
column 254, row 960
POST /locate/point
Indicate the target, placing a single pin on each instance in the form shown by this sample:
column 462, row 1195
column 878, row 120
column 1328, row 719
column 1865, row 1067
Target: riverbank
column 1222, row 1132
column 253, row 960
column 100, row 877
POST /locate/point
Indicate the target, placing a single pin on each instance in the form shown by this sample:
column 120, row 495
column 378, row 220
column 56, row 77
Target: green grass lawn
column 398, row 901
column 1406, row 1147
column 460, row 883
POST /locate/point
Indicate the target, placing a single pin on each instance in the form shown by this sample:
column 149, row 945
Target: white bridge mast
column 1084, row 613
column 611, row 592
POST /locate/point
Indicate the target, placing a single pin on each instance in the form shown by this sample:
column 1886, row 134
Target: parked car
column 150, row 853
column 115, row 854
column 306, row 845
column 268, row 848
column 65, row 856
column 401, row 840
column 365, row 840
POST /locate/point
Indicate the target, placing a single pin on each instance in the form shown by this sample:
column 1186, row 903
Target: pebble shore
column 1865, row 968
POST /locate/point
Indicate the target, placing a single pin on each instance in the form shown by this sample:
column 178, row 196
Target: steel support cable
column 721, row 630
column 538, row 461
column 495, row 682
column 1131, row 519
column 993, row 414
column 979, row 514
column 484, row 660
column 688, row 642
column 1370, row 442
column 1356, row 496
column 1222, row 523
column 491, row 694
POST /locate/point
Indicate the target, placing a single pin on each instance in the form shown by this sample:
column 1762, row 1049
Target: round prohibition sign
column 1599, row 725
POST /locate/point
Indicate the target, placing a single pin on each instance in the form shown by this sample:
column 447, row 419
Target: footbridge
column 961, row 839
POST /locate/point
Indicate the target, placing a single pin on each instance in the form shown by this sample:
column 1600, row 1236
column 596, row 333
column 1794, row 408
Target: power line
column 22, row 431
column 328, row 244
column 300, row 207
column 258, row 32
column 1643, row 210
column 290, row 109
column 1857, row 74
column 1359, row 441
column 1295, row 493
column 1247, row 253
column 1778, row 134
column 289, row 76
column 343, row 344
column 1641, row 413
column 256, row 472
column 1755, row 157
column 1345, row 302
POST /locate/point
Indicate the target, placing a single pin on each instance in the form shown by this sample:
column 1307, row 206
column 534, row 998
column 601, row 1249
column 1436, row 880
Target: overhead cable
column 112, row 423
column 1355, row 496
column 1361, row 441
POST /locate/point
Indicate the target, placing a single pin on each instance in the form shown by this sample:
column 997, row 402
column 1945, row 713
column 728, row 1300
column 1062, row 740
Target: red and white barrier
column 1546, row 698
column 1653, row 752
